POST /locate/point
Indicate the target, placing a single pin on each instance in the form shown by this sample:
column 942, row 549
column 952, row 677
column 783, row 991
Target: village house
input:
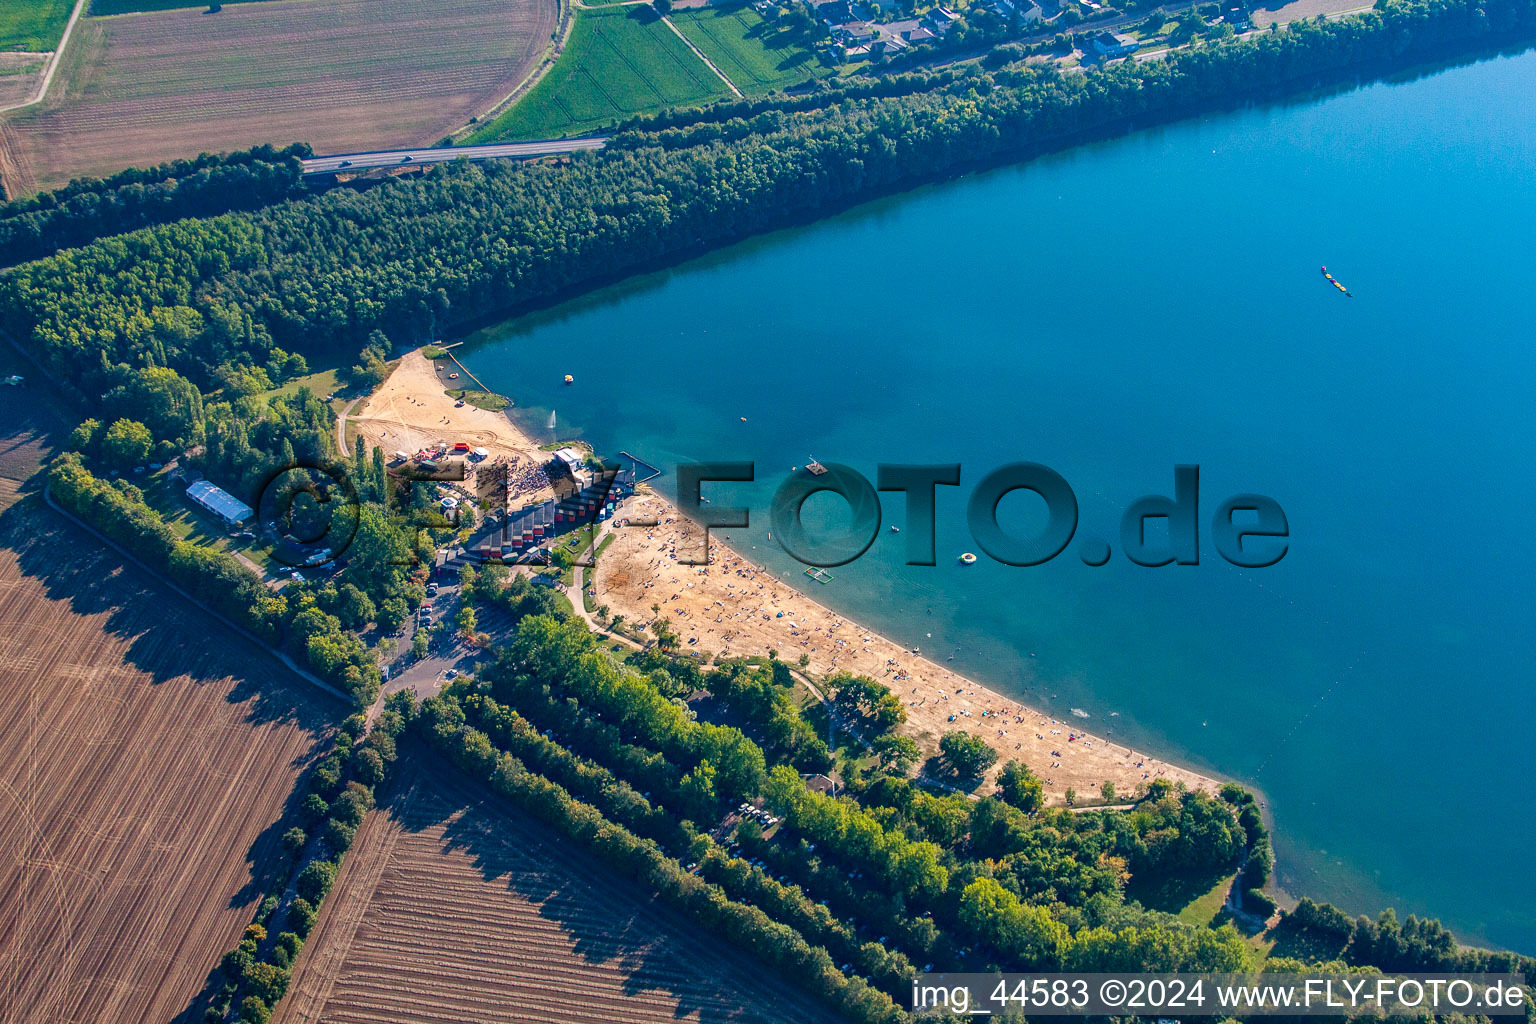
column 940, row 20
column 831, row 12
column 1026, row 11
column 856, row 33
column 1113, row 44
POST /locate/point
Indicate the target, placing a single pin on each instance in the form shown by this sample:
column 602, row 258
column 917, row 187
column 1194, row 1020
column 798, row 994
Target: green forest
column 208, row 297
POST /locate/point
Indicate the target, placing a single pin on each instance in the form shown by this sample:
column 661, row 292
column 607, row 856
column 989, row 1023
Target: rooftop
column 219, row 501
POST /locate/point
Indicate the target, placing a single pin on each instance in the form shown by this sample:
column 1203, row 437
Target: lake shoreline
column 412, row 409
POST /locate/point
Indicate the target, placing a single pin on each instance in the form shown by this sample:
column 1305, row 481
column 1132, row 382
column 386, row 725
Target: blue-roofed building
column 1113, row 44
column 220, row 502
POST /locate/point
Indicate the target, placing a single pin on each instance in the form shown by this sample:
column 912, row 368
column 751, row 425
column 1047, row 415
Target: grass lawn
column 481, row 399
column 323, row 383
column 1203, row 909
column 33, row 24
column 203, row 528
column 588, row 601
column 619, row 62
column 754, row 53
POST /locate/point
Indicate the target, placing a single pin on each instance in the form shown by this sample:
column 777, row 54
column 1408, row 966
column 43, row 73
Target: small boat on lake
column 1335, row 282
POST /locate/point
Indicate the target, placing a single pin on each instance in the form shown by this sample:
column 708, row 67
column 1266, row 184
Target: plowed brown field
column 342, row 75
column 145, row 754
column 453, row 908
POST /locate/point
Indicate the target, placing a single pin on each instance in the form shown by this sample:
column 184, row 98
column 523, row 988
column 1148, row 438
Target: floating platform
column 643, row 470
column 1335, row 282
column 819, row 575
column 815, row 467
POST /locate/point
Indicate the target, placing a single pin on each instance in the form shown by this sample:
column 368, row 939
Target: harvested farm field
column 19, row 74
column 145, row 756
column 342, row 75
column 452, row 907
column 31, row 428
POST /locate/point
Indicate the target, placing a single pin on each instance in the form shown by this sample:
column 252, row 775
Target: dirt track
column 452, row 908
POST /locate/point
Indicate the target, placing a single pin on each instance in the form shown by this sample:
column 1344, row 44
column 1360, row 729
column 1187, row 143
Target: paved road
column 407, row 157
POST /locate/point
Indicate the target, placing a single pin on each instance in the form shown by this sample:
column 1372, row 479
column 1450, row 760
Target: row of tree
column 722, row 762
column 91, row 208
column 552, row 754
column 1003, row 883
column 218, row 579
column 321, row 829
column 776, row 943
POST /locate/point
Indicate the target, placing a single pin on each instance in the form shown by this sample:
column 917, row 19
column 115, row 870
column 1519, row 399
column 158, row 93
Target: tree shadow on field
column 171, row 642
column 658, row 950
column 168, row 637
column 1172, row 893
column 1309, row 944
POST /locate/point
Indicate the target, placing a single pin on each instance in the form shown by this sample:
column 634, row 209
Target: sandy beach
column 411, row 412
column 734, row 606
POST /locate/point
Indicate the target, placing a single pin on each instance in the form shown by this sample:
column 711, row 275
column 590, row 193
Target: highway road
column 409, row 157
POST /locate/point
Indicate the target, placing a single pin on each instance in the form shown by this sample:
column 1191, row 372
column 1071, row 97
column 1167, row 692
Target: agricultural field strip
column 680, row 59
column 342, row 919
column 615, row 65
column 112, row 772
column 728, row 53
column 433, row 947
column 317, row 73
column 54, row 58
column 340, row 74
column 414, row 891
column 713, row 67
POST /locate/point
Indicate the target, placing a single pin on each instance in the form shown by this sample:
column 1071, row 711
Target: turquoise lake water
column 1142, row 302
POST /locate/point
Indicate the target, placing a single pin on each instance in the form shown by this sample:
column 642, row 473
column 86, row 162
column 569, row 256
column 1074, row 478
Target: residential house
column 1113, row 44
column 831, row 12
column 940, row 19
column 856, row 33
